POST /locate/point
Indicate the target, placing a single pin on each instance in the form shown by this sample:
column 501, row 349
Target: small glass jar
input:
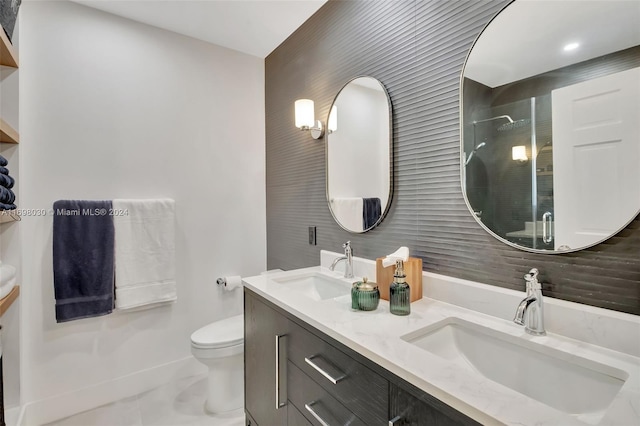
column 365, row 296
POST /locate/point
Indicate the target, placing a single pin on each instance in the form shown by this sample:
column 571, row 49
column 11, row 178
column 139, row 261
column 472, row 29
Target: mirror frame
column 462, row 166
column 386, row 208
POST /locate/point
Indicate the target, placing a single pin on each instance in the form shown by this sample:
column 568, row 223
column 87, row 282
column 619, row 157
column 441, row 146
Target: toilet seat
column 220, row 334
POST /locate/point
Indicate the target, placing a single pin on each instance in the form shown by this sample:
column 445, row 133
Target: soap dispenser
column 399, row 293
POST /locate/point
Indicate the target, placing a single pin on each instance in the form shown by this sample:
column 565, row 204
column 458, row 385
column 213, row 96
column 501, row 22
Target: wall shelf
column 7, row 133
column 8, row 55
column 9, row 299
column 8, row 216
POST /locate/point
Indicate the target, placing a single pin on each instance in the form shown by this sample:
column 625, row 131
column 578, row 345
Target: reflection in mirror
column 359, row 155
column 551, row 128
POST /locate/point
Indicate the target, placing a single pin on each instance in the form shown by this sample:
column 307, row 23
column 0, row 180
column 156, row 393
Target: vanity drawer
column 421, row 409
column 295, row 417
column 315, row 403
column 356, row 386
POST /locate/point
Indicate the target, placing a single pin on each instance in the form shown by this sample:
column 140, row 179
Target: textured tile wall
column 417, row 50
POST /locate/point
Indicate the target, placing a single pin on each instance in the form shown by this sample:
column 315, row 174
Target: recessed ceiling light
column 571, row 46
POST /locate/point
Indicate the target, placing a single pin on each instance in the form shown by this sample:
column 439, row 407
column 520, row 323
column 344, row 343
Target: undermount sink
column 566, row 382
column 315, row 285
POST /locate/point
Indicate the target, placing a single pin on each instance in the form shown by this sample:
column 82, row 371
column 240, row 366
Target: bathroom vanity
column 458, row 358
column 318, row 380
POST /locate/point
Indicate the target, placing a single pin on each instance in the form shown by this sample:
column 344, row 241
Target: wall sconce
column 305, row 118
column 519, row 154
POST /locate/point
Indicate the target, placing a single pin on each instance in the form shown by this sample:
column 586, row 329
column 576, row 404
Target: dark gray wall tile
column 417, row 50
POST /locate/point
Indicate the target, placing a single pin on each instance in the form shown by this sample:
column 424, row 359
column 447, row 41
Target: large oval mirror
column 551, row 123
column 359, row 155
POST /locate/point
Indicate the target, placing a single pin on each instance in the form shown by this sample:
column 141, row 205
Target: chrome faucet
column 530, row 312
column 348, row 257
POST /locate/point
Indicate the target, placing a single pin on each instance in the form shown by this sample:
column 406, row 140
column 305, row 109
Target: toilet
column 220, row 346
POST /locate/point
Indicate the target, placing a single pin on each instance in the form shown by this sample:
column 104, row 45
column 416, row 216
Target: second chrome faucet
column 530, row 312
column 348, row 258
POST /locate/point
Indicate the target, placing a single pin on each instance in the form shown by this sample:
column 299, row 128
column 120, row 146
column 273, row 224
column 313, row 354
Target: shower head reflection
column 479, row 146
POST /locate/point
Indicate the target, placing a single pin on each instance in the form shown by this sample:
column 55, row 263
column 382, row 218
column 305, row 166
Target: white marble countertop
column 376, row 335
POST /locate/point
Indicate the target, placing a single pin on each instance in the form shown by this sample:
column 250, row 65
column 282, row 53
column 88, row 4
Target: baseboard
column 48, row 410
column 12, row 416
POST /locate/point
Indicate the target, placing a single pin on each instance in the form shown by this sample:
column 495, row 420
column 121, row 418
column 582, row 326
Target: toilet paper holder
column 230, row 282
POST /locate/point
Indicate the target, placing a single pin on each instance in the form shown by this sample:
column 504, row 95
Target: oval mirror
column 359, row 155
column 550, row 108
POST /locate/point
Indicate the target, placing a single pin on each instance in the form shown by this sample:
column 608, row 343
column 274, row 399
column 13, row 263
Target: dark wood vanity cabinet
column 417, row 408
column 339, row 375
column 296, row 375
column 265, row 382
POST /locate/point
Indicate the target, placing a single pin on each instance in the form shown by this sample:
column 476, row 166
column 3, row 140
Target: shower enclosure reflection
column 551, row 136
column 508, row 187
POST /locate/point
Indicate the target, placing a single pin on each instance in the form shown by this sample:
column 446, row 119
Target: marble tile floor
column 174, row 404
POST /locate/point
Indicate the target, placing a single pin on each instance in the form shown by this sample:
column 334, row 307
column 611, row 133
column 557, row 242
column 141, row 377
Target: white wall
column 115, row 109
column 363, row 133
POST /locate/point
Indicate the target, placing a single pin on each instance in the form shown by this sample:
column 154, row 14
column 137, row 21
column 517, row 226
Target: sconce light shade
column 519, row 153
column 305, row 114
column 305, row 118
column 332, row 125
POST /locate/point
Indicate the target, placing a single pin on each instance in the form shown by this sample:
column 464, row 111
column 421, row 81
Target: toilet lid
column 220, row 334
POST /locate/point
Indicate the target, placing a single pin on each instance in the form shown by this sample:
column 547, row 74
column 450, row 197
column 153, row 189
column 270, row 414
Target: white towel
column 7, row 273
column 144, row 252
column 7, row 279
column 348, row 212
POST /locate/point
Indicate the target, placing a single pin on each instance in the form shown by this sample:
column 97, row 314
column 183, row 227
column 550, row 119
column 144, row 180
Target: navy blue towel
column 4, row 206
column 6, row 195
column 83, row 259
column 3, row 161
column 6, row 181
column 371, row 212
column 4, row 170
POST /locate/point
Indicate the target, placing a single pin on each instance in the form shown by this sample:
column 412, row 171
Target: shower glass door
column 508, row 171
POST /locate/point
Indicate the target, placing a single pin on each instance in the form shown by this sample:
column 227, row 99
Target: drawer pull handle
column 278, row 403
column 396, row 421
column 333, row 380
column 310, row 409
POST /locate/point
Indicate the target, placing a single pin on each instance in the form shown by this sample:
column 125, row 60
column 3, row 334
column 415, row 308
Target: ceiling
column 527, row 38
column 255, row 27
